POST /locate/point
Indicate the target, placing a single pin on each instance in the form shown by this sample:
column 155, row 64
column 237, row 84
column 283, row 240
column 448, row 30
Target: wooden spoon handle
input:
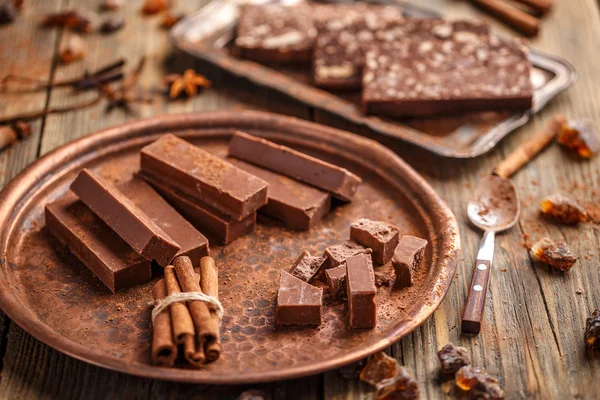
column 530, row 148
column 471, row 320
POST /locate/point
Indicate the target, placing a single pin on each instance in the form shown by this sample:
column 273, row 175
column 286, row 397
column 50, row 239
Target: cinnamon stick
column 209, row 283
column 540, row 6
column 529, row 149
column 164, row 350
column 511, row 15
column 207, row 327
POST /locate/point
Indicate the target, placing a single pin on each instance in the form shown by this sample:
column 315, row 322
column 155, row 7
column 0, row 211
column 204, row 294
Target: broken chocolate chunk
column 563, row 209
column 478, row 383
column 554, row 254
column 407, row 258
column 306, row 267
column 336, row 280
column 452, row 358
column 592, row 330
column 379, row 236
column 338, row 253
column 298, row 302
column 361, row 291
column 581, row 136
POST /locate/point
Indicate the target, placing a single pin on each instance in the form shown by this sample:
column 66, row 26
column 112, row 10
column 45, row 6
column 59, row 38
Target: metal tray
column 207, row 36
column 47, row 292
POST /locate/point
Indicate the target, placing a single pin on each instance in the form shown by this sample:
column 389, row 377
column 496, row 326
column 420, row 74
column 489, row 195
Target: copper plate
column 56, row 299
column 207, row 36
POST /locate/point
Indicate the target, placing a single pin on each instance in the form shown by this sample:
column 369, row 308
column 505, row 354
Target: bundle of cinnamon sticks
column 526, row 23
column 190, row 325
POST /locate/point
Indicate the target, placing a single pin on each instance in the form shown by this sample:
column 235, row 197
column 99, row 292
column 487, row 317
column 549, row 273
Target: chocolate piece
column 563, row 209
column 556, row 255
column 193, row 244
column 360, row 289
column 339, row 181
column 379, row 236
column 582, row 136
column 296, row 204
column 344, row 34
column 298, row 303
column 125, row 218
column 452, row 358
column 306, row 267
column 338, row 253
column 406, row 259
column 437, row 68
column 276, row 33
column 203, row 217
column 592, row 330
column 204, row 176
column 478, row 383
column 95, row 244
column 336, row 280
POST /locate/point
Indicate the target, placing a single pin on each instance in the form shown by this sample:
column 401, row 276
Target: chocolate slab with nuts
column 340, row 182
column 344, row 34
column 297, row 205
column 338, row 253
column 361, row 291
column 306, row 267
column 207, row 219
column 336, row 280
column 379, row 236
column 298, row 302
column 95, row 244
column 407, row 257
column 276, row 33
column 193, row 243
column 204, row 176
column 125, row 218
column 446, row 68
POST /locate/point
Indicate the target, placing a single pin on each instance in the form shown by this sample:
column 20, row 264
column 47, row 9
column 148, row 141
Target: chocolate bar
column 340, row 182
column 336, row 280
column 306, row 267
column 338, row 253
column 441, row 67
column 95, row 244
column 276, row 33
column 407, row 257
column 361, row 291
column 344, row 34
column 193, row 244
column 204, row 176
column 205, row 218
column 298, row 302
column 125, row 218
column 296, row 204
column 379, row 236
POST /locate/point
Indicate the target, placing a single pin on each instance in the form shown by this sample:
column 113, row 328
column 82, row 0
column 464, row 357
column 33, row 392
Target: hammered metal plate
column 51, row 295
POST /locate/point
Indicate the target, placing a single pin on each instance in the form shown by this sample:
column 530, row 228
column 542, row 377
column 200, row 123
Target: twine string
column 213, row 303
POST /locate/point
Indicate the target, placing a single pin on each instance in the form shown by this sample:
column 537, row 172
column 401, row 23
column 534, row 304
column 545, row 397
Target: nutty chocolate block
column 336, row 280
column 298, row 302
column 344, row 34
column 338, row 253
column 361, row 291
column 379, row 236
column 438, row 68
column 276, row 33
column 406, row 259
column 306, row 267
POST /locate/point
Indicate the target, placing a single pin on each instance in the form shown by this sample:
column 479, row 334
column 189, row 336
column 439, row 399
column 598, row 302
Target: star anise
column 187, row 84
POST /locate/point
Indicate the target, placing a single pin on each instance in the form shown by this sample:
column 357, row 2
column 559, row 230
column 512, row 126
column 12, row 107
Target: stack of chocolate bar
column 405, row 67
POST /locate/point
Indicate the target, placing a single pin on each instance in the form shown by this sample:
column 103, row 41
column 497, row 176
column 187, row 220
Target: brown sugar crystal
column 581, row 136
column 592, row 330
column 379, row 368
column 379, row 236
column 306, row 267
column 407, row 257
column 554, row 254
column 338, row 253
column 361, row 291
column 563, row 209
column 298, row 302
column 478, row 383
column 391, row 379
column 452, row 358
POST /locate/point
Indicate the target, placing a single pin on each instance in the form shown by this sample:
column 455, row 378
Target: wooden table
column 532, row 336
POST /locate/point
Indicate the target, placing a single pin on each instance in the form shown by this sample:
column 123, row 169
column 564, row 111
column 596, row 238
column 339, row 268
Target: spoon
column 495, row 207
